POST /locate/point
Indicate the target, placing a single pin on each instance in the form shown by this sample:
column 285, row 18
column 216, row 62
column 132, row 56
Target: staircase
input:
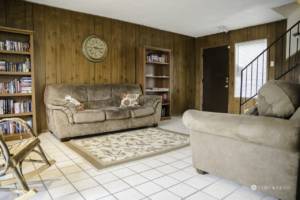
column 282, row 57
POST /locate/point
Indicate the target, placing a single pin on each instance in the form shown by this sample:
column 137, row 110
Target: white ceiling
column 189, row 17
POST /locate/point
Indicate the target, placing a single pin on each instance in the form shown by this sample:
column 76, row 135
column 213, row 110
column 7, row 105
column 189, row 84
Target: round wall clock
column 94, row 49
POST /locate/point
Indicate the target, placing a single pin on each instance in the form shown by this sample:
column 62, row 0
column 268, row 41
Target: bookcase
column 155, row 75
column 17, row 94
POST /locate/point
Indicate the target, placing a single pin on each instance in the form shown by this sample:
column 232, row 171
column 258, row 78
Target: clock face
column 94, row 48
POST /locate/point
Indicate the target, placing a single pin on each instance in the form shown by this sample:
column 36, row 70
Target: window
column 245, row 52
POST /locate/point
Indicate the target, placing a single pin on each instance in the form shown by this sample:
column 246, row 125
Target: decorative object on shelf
column 127, row 146
column 155, row 75
column 165, row 97
column 17, row 95
column 13, row 155
column 94, row 49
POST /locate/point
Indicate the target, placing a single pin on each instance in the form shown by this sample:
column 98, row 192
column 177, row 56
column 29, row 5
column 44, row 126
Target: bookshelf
column 17, row 92
column 156, row 75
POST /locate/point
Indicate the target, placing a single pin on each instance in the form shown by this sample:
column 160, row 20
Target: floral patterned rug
column 107, row 150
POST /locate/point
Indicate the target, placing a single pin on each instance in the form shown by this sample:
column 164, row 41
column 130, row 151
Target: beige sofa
column 261, row 151
column 102, row 111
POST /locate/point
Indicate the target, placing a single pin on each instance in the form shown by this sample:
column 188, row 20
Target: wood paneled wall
column 271, row 31
column 58, row 35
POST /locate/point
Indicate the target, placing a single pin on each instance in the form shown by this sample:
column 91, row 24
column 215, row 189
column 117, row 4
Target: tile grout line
column 139, row 173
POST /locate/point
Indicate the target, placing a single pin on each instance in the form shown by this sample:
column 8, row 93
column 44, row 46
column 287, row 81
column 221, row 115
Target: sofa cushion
column 99, row 92
column 278, row 99
column 141, row 111
column 117, row 113
column 99, row 104
column 55, row 93
column 88, row 116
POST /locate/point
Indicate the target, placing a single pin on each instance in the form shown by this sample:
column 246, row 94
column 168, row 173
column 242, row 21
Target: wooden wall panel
column 58, row 35
column 103, row 29
column 2, row 13
column 83, row 26
column 19, row 14
column 270, row 31
column 40, row 60
column 51, row 45
column 66, row 57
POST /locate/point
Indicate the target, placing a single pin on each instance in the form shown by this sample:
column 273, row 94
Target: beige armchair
column 261, row 150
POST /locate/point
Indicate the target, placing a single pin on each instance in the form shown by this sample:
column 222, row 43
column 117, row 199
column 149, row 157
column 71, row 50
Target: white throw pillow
column 78, row 106
column 130, row 100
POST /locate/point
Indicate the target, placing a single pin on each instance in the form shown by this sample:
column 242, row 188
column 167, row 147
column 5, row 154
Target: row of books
column 157, row 58
column 10, row 45
column 15, row 67
column 22, row 85
column 13, row 127
column 10, row 106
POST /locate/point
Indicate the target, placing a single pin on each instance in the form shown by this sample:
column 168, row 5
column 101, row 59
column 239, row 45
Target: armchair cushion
column 267, row 131
column 88, row 116
column 278, row 99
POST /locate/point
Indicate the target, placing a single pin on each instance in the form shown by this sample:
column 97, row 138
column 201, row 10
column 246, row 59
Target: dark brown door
column 215, row 79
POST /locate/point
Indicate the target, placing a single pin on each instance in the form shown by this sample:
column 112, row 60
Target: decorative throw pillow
column 278, row 99
column 130, row 100
column 78, row 106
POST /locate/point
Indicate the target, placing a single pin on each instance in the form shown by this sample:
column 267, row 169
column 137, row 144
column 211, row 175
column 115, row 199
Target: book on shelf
column 22, row 85
column 10, row 127
column 160, row 58
column 15, row 66
column 10, row 106
column 10, row 45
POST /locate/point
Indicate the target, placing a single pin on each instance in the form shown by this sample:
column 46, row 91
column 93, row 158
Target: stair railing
column 283, row 55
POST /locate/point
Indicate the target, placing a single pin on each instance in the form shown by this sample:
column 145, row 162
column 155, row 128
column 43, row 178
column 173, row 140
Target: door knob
column 226, row 86
column 227, row 80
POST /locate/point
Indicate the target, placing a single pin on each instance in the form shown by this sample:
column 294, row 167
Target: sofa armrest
column 67, row 108
column 296, row 116
column 150, row 100
column 273, row 132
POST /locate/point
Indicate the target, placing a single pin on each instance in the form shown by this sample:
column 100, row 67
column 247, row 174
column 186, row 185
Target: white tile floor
column 168, row 176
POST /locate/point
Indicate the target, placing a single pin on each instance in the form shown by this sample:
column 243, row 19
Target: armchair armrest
column 268, row 131
column 150, row 100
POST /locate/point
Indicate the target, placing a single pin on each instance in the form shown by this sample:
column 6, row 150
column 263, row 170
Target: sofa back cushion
column 99, row 92
column 92, row 96
column 278, row 99
column 55, row 93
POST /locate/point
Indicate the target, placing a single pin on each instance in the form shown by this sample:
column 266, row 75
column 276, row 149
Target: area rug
column 107, row 150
